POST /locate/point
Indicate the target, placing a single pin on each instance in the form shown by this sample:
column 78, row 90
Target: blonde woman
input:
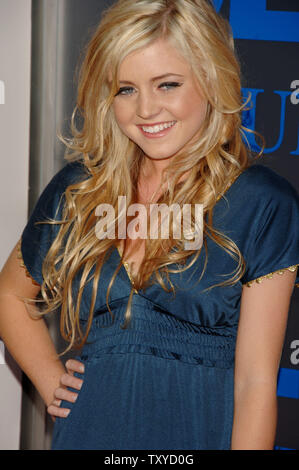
column 180, row 345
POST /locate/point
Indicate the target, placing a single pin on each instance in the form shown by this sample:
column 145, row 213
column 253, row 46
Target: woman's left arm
column 261, row 332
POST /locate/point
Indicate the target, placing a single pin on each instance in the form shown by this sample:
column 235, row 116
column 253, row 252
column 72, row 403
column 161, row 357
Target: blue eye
column 126, row 90
column 169, row 85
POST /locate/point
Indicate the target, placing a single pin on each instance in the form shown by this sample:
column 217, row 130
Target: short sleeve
column 275, row 237
column 37, row 237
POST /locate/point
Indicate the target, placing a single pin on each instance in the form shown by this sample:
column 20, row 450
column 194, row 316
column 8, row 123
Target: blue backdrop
column 267, row 40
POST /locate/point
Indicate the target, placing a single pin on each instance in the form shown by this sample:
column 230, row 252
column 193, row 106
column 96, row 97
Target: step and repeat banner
column 267, row 40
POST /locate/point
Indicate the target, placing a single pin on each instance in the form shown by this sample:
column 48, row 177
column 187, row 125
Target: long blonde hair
column 113, row 161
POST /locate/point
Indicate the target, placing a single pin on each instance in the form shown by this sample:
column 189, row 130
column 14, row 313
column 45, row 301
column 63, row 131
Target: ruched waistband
column 155, row 331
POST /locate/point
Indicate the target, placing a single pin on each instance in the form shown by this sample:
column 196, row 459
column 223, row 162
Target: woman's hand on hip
column 62, row 393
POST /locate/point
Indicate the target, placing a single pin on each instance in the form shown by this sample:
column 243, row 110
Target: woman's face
column 158, row 105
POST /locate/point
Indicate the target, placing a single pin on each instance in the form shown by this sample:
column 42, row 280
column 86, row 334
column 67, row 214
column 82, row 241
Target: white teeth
column 158, row 128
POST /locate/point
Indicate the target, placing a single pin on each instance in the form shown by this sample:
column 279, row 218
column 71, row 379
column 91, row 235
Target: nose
column 148, row 105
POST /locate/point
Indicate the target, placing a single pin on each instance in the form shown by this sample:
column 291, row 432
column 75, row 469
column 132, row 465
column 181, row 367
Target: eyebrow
column 160, row 77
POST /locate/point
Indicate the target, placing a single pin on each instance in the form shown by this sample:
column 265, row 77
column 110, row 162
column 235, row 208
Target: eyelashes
column 169, row 85
column 128, row 90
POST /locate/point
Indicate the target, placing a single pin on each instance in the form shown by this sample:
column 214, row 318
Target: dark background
column 272, row 66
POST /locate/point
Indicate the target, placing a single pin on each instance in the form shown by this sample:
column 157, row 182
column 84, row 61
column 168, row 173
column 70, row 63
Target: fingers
column 55, row 411
column 68, row 379
column 66, row 395
column 72, row 365
column 63, row 393
column 71, row 381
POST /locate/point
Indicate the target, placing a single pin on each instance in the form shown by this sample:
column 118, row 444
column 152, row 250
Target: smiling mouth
column 157, row 128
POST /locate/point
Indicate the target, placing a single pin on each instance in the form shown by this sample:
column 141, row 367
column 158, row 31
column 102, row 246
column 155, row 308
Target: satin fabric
column 167, row 381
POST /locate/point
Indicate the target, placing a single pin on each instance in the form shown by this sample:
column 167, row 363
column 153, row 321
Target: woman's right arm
column 27, row 339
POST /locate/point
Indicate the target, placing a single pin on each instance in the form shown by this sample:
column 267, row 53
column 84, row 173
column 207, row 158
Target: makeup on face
column 158, row 105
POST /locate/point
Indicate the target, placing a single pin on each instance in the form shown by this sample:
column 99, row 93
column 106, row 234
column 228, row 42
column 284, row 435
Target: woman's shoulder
column 70, row 173
column 261, row 183
column 51, row 197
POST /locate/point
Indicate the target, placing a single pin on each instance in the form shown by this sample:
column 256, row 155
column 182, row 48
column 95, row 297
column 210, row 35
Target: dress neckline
column 126, row 265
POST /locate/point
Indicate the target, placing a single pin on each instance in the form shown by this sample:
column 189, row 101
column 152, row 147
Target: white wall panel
column 15, row 53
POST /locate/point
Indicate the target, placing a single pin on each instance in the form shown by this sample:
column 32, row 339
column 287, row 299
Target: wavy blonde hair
column 113, row 161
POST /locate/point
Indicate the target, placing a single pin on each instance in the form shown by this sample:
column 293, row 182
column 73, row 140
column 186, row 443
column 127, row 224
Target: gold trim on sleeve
column 22, row 264
column 270, row 275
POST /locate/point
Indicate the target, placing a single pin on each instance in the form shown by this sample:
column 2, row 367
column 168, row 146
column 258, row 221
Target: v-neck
column 127, row 269
column 126, row 265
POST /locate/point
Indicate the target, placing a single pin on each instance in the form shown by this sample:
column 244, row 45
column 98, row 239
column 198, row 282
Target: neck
column 153, row 169
column 150, row 177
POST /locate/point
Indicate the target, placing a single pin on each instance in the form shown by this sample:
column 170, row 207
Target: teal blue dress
column 167, row 381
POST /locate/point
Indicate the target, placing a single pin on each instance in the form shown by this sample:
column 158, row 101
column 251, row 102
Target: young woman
column 180, row 347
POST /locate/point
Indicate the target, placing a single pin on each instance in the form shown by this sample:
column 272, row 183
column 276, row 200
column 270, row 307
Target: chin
column 159, row 155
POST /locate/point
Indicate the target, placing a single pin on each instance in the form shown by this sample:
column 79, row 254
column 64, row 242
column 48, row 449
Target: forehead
column 158, row 58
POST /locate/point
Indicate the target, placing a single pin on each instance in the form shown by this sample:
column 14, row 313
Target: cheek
column 191, row 108
column 197, row 117
column 124, row 118
column 195, row 107
column 122, row 114
column 200, row 111
column 117, row 111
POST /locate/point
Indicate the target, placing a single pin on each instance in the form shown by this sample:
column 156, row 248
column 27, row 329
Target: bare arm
column 27, row 339
column 263, row 319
